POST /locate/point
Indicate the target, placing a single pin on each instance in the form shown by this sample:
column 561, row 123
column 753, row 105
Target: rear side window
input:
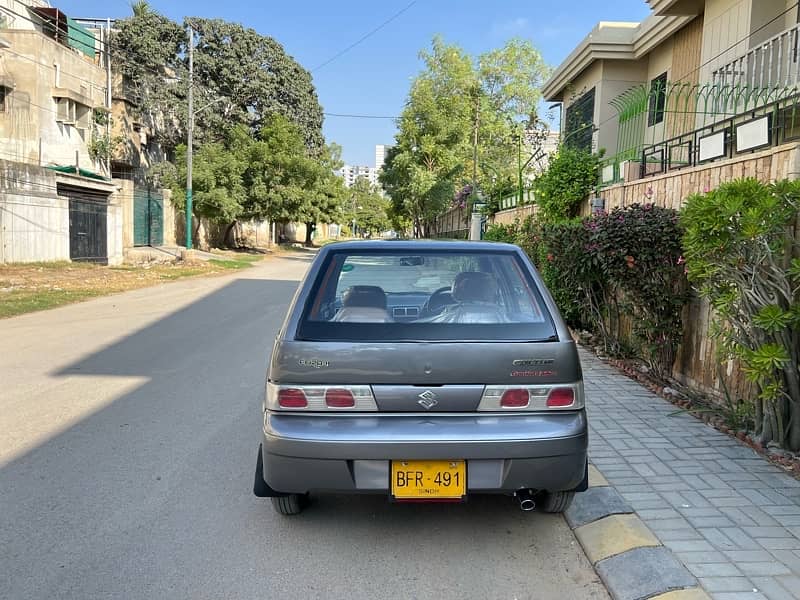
column 425, row 296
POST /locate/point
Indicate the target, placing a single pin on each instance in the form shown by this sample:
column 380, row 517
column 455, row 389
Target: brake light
column 292, row 398
column 532, row 398
column 339, row 398
column 320, row 398
column 515, row 398
column 561, row 397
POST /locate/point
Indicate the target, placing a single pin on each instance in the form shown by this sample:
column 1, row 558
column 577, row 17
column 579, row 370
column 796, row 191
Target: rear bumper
column 348, row 453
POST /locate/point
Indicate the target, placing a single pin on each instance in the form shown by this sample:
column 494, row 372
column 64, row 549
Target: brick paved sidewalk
column 728, row 514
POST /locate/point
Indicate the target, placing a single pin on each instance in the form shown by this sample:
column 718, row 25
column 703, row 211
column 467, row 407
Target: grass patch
column 240, row 262
column 18, row 302
column 32, row 287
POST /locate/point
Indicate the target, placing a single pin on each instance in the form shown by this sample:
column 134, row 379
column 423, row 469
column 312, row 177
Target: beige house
column 681, row 87
column 57, row 201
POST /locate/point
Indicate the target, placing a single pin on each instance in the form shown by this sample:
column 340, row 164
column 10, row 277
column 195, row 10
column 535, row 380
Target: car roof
column 421, row 245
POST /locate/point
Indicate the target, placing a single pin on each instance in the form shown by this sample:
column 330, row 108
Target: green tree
column 367, row 207
column 249, row 77
column 459, row 127
column 241, row 77
column 741, row 254
column 146, row 50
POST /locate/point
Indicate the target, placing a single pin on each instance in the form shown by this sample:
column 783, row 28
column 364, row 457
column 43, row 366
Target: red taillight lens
column 515, row 399
column 561, row 397
column 292, row 398
column 339, row 398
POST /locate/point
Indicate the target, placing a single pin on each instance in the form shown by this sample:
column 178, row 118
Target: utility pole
column 189, row 141
column 109, row 97
column 475, row 143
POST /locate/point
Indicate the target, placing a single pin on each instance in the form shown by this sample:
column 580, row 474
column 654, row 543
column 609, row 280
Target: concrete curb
column 630, row 560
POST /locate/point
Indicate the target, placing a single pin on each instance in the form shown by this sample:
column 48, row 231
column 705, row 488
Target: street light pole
column 519, row 169
column 189, row 142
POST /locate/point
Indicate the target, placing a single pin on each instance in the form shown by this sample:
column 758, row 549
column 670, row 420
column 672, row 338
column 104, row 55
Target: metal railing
column 773, row 124
column 774, row 63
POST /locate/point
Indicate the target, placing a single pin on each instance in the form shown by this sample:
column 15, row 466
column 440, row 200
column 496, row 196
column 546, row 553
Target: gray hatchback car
column 426, row 372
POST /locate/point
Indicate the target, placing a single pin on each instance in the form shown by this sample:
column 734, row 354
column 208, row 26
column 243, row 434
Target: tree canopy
column 460, row 126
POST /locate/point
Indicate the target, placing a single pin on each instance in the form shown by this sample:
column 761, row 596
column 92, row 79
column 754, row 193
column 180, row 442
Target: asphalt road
column 128, row 434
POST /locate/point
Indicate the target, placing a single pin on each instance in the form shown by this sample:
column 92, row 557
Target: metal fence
column 770, row 125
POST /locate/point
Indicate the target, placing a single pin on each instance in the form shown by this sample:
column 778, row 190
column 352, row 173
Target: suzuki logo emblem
column 427, row 400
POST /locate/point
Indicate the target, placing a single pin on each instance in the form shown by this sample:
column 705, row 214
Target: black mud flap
column 260, row 487
column 584, row 485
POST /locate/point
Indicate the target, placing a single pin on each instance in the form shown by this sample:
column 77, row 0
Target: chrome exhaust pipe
column 526, row 502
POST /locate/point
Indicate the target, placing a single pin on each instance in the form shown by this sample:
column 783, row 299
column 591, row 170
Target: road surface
column 128, row 435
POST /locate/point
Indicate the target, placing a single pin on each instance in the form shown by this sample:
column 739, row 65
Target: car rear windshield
column 425, row 296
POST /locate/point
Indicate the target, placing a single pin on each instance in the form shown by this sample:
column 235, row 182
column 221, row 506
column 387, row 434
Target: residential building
column 54, row 86
column 351, row 174
column 380, row 155
column 56, row 199
column 692, row 83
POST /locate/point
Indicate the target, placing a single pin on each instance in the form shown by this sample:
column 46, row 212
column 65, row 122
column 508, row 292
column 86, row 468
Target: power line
column 352, row 116
column 364, row 37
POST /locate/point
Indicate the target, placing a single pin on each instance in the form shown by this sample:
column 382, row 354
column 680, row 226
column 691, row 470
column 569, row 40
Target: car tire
column 556, row 502
column 293, row 504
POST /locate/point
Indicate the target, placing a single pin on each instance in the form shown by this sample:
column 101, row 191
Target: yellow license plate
column 429, row 479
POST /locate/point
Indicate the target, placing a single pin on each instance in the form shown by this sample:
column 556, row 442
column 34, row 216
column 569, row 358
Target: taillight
column 515, row 398
column 339, row 398
column 320, row 398
column 561, row 397
column 292, row 398
column 532, row 398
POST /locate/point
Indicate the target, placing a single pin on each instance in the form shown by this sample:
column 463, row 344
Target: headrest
column 369, row 296
column 474, row 286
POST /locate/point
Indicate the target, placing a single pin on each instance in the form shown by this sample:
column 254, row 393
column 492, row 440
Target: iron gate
column 88, row 225
column 148, row 218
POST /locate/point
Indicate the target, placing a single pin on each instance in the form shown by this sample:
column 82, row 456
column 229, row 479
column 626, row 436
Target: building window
column 658, row 100
column 579, row 122
column 70, row 112
column 5, row 94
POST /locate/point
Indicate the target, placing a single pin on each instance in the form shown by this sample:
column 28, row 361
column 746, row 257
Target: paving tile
column 688, row 545
column 714, row 570
column 767, row 532
column 779, row 543
column 698, row 558
column 740, row 556
column 772, row 589
column 761, row 569
column 752, row 595
column 740, row 538
column 668, row 535
column 726, row 584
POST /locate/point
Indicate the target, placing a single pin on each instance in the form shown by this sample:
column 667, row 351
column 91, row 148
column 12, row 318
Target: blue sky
column 373, row 78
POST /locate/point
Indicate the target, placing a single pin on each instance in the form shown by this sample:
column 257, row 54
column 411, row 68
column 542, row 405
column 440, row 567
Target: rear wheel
column 555, row 502
column 293, row 504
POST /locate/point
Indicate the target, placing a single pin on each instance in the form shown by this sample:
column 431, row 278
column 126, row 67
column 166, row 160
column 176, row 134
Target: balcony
column 772, row 67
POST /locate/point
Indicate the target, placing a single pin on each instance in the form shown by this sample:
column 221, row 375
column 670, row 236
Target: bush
column 497, row 232
column 625, row 262
column 741, row 256
column 568, row 180
column 638, row 250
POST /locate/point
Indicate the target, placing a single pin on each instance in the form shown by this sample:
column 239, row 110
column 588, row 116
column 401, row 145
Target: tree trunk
column 309, row 230
column 231, row 237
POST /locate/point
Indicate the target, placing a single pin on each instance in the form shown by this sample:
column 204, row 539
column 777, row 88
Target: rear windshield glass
column 392, row 296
